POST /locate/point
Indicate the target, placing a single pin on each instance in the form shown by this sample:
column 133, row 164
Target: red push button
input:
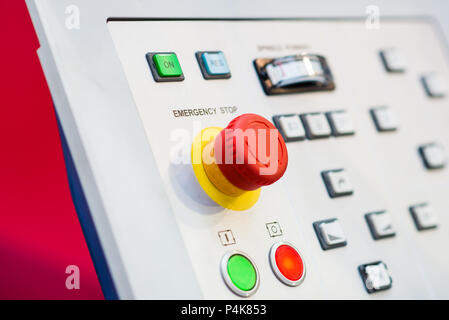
column 287, row 264
column 251, row 152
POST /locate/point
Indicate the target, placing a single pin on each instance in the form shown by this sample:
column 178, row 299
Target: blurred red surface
column 39, row 231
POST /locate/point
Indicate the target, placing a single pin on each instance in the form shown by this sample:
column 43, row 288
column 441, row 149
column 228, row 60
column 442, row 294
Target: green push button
column 167, row 65
column 242, row 272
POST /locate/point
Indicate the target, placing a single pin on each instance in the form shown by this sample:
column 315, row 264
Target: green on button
column 167, row 65
column 242, row 272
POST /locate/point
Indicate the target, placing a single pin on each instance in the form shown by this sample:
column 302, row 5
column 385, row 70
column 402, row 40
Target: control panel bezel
column 92, row 97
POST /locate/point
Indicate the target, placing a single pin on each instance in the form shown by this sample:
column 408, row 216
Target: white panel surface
column 384, row 168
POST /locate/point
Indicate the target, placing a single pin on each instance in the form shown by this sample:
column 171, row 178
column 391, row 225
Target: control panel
column 354, row 203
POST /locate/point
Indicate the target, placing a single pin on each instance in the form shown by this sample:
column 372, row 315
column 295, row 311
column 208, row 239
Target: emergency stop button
column 251, row 152
column 234, row 163
column 287, row 264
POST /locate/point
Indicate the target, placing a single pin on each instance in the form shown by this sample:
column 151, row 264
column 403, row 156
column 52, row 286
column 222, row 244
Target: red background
column 39, row 231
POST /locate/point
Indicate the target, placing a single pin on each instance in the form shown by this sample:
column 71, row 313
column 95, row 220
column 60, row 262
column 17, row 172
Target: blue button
column 215, row 63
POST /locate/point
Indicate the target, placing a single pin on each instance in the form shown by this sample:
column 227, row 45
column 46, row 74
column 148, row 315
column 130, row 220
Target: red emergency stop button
column 287, row 264
column 251, row 152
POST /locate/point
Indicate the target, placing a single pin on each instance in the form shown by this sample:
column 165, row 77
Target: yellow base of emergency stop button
column 244, row 201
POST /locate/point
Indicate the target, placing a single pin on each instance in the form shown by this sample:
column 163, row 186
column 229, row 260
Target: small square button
column 393, row 60
column 433, row 156
column 165, row 66
column 434, row 85
column 213, row 65
column 316, row 125
column 290, row 127
column 375, row 276
column 380, row 225
column 330, row 234
column 424, row 217
column 337, row 183
column 341, row 123
column 384, row 119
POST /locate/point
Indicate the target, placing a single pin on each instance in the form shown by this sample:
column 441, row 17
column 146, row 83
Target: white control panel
column 362, row 210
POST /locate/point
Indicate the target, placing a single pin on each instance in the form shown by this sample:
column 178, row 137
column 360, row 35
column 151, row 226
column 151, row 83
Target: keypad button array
column 434, row 85
column 375, row 275
column 330, row 232
column 316, row 125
